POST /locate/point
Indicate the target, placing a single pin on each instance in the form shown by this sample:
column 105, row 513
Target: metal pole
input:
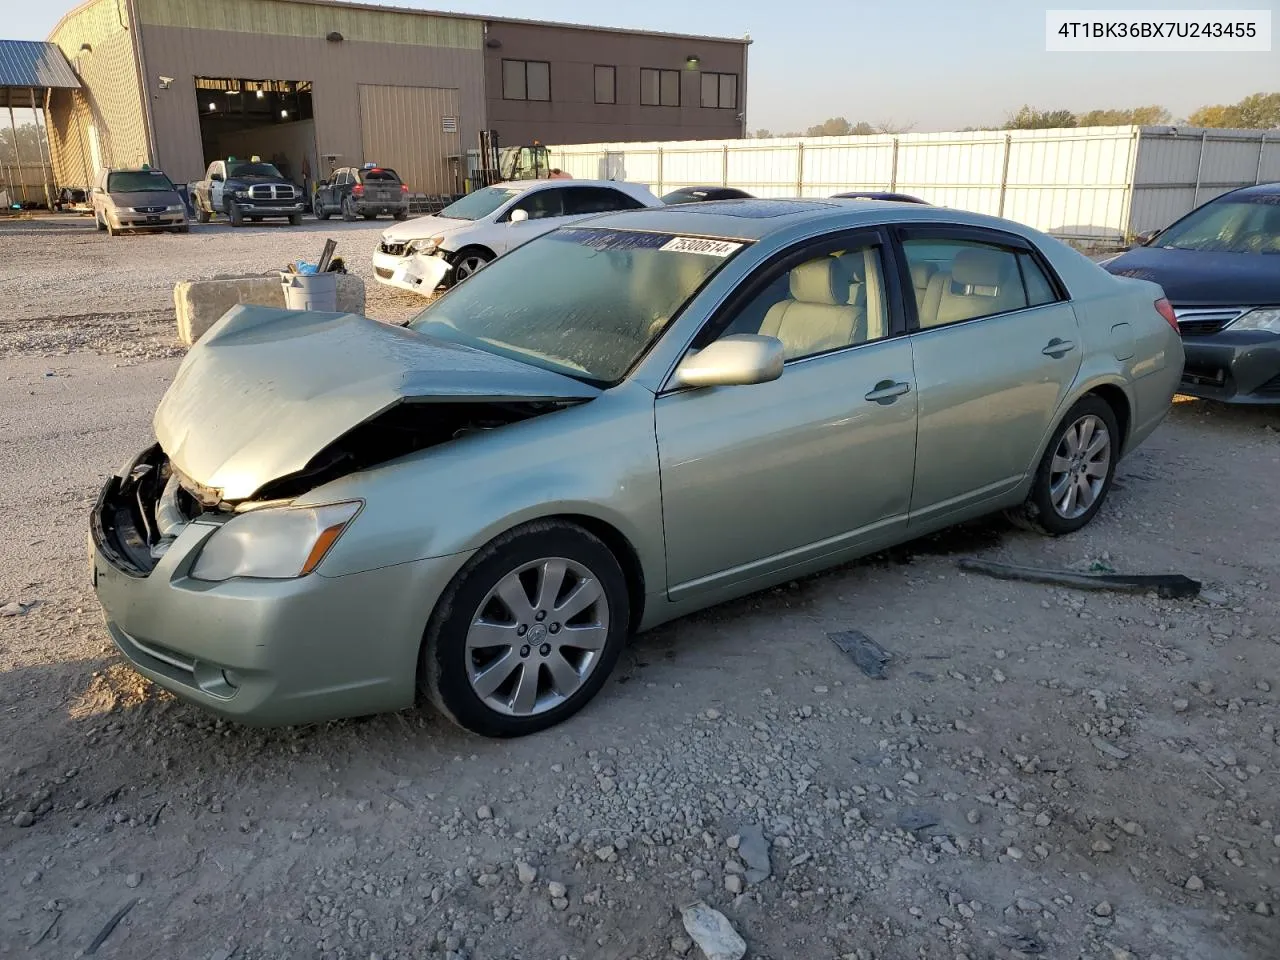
column 893, row 172
column 1262, row 145
column 45, row 168
column 1195, row 197
column 1004, row 173
column 800, row 169
column 724, row 167
column 661, row 174
column 17, row 157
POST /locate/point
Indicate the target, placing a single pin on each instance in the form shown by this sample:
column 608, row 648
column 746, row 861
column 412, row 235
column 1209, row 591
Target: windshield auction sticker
column 710, row 248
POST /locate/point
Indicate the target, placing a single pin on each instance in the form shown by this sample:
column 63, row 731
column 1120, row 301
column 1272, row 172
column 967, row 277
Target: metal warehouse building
column 312, row 83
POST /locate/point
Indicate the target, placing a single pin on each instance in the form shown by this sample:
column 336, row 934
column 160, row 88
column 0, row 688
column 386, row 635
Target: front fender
column 597, row 459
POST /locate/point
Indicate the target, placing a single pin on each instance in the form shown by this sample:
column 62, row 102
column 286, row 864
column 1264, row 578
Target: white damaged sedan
column 420, row 255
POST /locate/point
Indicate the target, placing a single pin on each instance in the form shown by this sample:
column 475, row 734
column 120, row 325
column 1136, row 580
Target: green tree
column 1152, row 116
column 1258, row 111
column 29, row 144
column 1029, row 118
column 832, row 127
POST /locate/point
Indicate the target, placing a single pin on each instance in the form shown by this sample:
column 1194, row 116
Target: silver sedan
column 621, row 422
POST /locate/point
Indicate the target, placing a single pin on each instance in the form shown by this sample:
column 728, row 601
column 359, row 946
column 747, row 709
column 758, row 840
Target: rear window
column 138, row 181
column 382, row 173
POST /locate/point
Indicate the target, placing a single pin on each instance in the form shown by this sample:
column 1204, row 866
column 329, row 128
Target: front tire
column 295, row 220
column 236, row 215
column 320, row 211
column 1075, row 474
column 470, row 261
column 203, row 215
column 527, row 632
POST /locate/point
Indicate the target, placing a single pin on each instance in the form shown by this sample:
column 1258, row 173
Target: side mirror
column 1144, row 238
column 732, row 361
column 519, row 216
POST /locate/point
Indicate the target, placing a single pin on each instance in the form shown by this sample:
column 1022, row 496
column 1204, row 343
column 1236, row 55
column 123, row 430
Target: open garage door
column 271, row 119
column 413, row 130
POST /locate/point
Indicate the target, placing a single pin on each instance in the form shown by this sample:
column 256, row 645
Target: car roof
column 1254, row 190
column 759, row 218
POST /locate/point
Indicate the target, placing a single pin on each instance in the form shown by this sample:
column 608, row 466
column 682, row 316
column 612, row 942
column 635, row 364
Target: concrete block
column 201, row 303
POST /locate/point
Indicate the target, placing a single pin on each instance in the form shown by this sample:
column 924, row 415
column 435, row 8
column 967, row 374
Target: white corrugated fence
column 1090, row 184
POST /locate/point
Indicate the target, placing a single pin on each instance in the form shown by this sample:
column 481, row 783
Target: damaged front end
column 420, row 273
column 144, row 508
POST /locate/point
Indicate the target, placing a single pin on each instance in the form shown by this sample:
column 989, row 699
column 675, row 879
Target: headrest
column 920, row 274
column 980, row 268
column 824, row 281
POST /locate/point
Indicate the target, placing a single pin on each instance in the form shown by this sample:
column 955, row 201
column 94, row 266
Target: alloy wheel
column 537, row 637
column 468, row 265
column 1080, row 467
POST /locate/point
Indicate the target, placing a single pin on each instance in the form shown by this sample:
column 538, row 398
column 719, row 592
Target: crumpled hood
column 265, row 390
column 1193, row 277
column 420, row 228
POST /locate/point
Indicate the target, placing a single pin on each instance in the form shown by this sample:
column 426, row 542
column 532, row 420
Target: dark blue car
column 1220, row 268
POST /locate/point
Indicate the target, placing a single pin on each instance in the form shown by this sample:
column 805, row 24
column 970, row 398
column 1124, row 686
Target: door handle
column 887, row 391
column 1057, row 348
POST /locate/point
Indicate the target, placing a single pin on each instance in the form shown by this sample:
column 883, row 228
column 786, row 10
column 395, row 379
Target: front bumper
column 262, row 652
column 420, row 274
column 147, row 221
column 251, row 209
column 1233, row 367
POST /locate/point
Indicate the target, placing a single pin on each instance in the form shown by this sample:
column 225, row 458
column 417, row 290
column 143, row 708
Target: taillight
column 404, row 188
column 358, row 190
column 1165, row 309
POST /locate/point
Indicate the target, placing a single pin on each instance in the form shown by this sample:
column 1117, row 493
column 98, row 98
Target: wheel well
column 477, row 248
column 1119, row 403
column 625, row 553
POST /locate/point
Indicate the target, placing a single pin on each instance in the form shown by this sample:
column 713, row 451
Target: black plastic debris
column 913, row 819
column 870, row 657
column 1171, row 586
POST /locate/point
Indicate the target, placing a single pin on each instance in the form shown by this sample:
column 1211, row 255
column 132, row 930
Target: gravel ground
column 1041, row 772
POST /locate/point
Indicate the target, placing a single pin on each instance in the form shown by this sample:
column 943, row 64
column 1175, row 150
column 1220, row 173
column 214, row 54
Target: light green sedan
column 619, row 423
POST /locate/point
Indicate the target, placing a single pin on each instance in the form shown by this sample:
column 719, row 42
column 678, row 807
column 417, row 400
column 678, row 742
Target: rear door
column 996, row 348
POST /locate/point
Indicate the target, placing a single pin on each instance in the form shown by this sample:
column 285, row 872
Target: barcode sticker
column 710, row 248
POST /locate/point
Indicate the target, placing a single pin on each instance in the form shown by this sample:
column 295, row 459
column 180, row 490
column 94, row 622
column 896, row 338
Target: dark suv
column 362, row 191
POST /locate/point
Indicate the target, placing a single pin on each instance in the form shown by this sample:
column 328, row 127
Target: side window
column 964, row 280
column 1039, row 290
column 834, row 299
column 583, row 200
column 541, row 204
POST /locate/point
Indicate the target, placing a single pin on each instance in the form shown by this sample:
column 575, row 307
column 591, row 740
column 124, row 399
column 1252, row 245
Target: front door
column 215, row 187
column 760, row 478
column 997, row 348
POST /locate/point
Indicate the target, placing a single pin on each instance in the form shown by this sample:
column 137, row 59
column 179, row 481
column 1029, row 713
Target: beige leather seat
column 981, row 282
column 921, row 274
column 817, row 316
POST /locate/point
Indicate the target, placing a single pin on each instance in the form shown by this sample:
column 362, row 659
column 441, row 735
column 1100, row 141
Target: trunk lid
column 265, row 390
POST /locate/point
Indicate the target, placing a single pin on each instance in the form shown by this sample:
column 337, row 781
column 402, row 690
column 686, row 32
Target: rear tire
column 1075, row 473
column 348, row 211
column 185, row 228
column 371, row 216
column 402, row 214
column 455, row 672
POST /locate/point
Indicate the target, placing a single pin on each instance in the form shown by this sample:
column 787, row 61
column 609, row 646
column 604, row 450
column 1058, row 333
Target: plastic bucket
column 316, row 291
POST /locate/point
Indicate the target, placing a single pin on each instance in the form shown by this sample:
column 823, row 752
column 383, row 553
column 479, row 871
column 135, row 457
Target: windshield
column 583, row 302
column 1227, row 226
column 381, row 173
column 253, row 170
column 479, row 204
column 139, row 181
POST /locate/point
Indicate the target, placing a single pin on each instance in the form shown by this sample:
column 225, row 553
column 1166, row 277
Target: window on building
column 606, row 85
column 526, row 80
column 659, row 87
column 720, row 90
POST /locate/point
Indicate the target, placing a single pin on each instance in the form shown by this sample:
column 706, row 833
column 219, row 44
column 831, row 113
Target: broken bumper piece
column 419, row 274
